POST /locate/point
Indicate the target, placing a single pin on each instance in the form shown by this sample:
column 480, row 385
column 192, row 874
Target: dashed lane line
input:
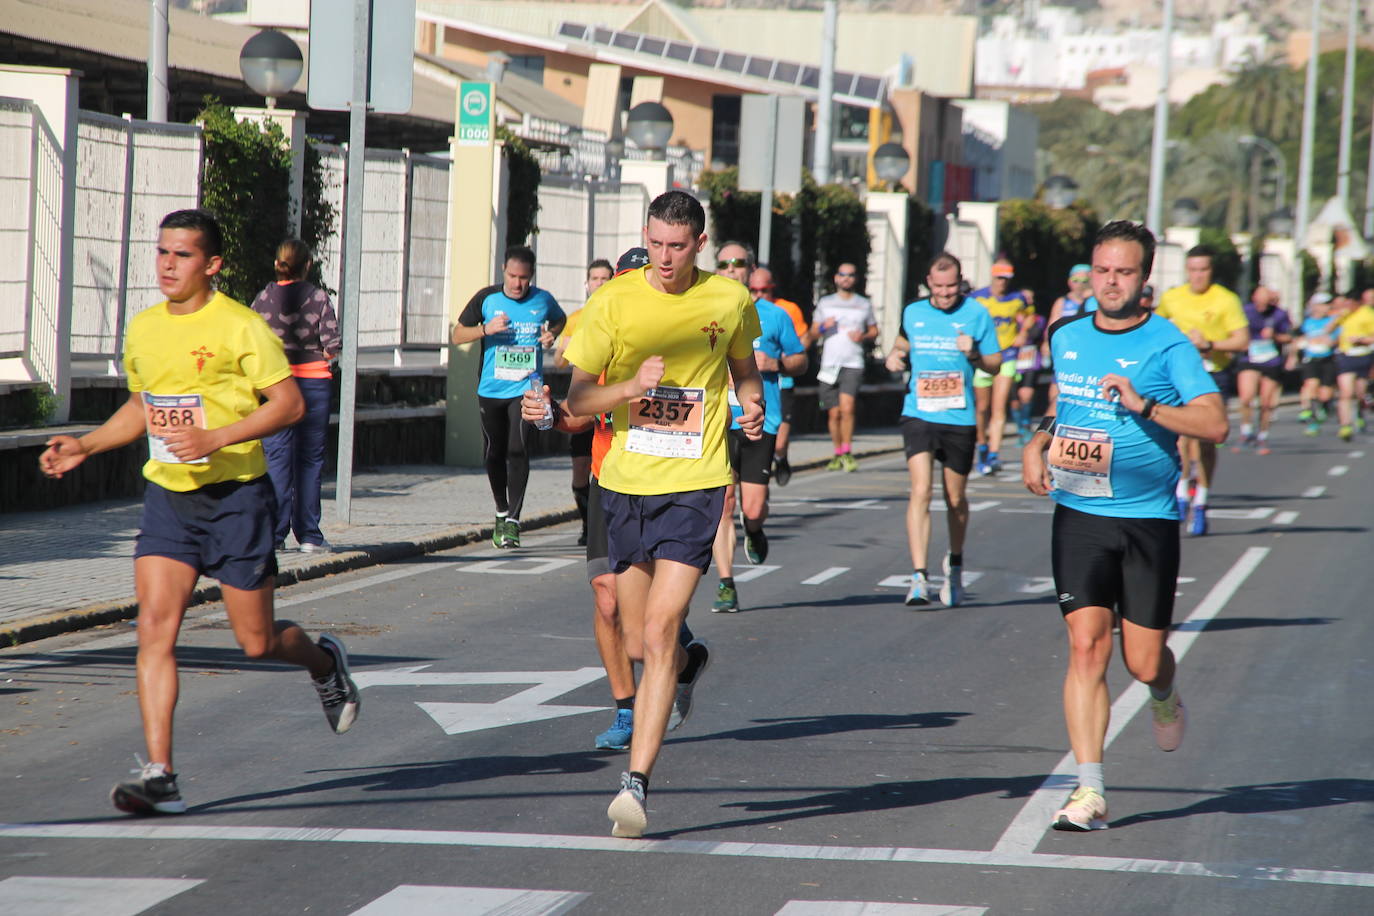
column 825, row 575
column 1007, row 858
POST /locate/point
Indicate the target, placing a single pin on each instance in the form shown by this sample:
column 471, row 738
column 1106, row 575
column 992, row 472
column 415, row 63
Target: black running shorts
column 1323, row 369
column 752, row 459
column 597, row 564
column 952, row 445
column 1130, row 564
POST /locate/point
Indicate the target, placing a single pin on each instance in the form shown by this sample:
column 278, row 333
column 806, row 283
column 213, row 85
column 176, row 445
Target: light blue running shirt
column 1109, row 461
column 777, row 339
column 941, row 388
column 511, row 356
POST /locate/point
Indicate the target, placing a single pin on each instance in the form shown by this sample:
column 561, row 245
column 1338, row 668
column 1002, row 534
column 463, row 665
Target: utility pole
column 1154, row 214
column 825, row 98
column 1347, row 109
column 157, row 60
column 1309, row 129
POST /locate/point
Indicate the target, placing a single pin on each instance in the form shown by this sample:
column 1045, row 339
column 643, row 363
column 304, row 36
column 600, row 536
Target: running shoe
column 834, row 464
column 919, row 593
column 1086, row 810
column 153, row 792
column 338, row 694
column 1305, row 415
column 727, row 600
column 756, row 546
column 848, row 462
column 1320, row 413
column 322, row 547
column 1198, row 526
column 952, row 592
column 984, row 469
column 1346, row 433
column 1359, row 424
column 512, row 533
column 699, row 654
column 1313, row 428
column 782, row 471
column 994, row 462
column 1170, row 719
column 626, row 811
column 498, row 532
column 1184, row 504
column 617, row 737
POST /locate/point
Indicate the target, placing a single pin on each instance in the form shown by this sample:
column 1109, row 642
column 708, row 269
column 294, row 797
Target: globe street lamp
column 1186, row 212
column 1060, row 191
column 648, row 126
column 271, row 64
column 1280, row 222
column 891, row 162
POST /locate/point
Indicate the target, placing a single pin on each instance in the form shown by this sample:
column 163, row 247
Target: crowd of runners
column 678, row 410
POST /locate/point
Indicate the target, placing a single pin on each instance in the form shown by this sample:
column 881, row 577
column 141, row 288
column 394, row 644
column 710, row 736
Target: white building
column 1058, row 52
column 999, row 144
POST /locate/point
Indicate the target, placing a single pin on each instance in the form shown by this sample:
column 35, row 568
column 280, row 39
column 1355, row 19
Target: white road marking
column 1259, row 512
column 518, row 566
column 869, row 908
column 517, row 709
column 145, row 832
column 858, row 504
column 1314, row 493
column 984, row 505
column 1356, row 454
column 1038, row 584
column 25, row 896
column 1286, row 518
column 425, row 900
column 1028, row 828
column 750, row 573
column 1338, row 470
column 825, row 575
column 905, row 581
column 1030, row 510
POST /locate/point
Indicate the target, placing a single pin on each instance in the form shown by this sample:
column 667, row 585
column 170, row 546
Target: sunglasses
column 732, row 262
column 760, row 289
column 846, row 274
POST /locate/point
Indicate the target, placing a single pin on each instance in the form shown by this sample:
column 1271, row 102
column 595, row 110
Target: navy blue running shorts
column 222, row 530
column 1357, row 364
column 1130, row 564
column 674, row 526
column 597, row 564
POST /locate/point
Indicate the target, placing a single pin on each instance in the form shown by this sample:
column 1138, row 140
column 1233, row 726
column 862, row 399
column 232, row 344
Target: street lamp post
column 271, row 64
column 891, row 163
column 1281, row 189
column 649, row 126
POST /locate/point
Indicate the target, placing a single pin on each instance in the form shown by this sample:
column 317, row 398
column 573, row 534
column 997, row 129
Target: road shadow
column 193, row 659
column 1218, row 624
column 1271, row 797
column 794, row 727
column 883, row 796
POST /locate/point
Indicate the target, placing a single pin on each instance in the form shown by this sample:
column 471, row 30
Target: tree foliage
column 813, row 231
column 1044, row 244
column 522, row 196
column 245, row 184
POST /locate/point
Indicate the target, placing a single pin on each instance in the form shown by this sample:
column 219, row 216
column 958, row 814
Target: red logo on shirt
column 201, row 354
column 713, row 330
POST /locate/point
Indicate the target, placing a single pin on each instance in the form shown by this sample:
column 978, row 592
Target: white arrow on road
column 518, row 566
column 525, row 706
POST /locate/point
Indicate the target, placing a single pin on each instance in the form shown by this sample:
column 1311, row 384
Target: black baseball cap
column 633, row 259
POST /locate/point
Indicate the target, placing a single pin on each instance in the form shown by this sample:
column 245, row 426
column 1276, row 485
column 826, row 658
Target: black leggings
column 507, row 460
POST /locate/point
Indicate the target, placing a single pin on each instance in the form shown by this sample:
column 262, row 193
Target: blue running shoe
column 1199, row 525
column 1183, row 506
column 617, row 737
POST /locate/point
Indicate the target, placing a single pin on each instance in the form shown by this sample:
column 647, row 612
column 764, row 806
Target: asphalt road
column 846, row 755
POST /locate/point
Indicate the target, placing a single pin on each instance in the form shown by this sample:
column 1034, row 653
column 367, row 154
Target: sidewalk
column 71, row 568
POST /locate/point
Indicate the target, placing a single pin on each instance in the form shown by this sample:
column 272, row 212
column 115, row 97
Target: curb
column 61, row 622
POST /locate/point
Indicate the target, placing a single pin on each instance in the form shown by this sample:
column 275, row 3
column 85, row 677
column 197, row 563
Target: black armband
column 1148, row 408
column 975, row 355
column 1047, row 424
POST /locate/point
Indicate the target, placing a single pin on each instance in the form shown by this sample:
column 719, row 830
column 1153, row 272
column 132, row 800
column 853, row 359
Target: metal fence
column 129, row 174
column 578, row 152
column 31, row 209
column 405, row 237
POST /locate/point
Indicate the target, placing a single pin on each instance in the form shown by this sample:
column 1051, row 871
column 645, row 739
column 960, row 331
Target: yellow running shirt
column 1215, row 313
column 202, row 369
column 1357, row 325
column 674, row 440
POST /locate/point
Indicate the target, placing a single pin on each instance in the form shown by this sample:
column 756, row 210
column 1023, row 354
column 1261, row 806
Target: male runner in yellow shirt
column 665, row 336
column 1214, row 320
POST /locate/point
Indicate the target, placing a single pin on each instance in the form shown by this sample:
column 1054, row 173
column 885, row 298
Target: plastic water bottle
column 537, row 386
